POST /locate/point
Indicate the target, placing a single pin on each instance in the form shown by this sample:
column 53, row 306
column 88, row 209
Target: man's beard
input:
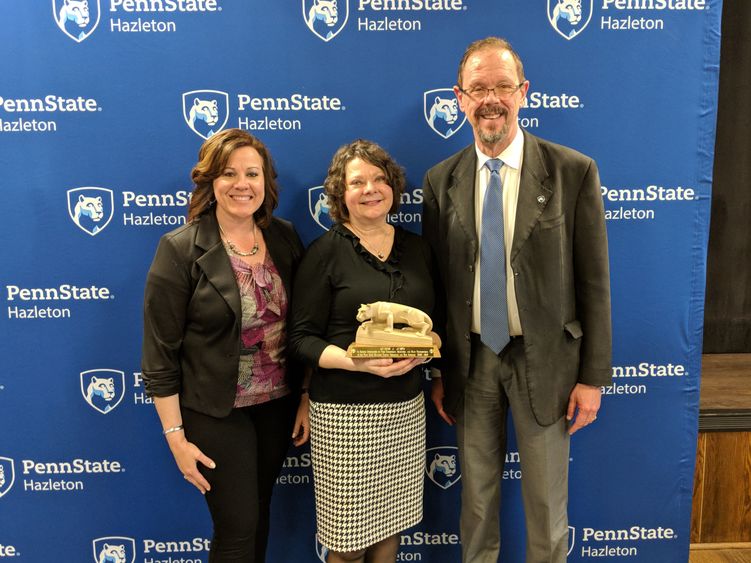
column 488, row 137
column 496, row 137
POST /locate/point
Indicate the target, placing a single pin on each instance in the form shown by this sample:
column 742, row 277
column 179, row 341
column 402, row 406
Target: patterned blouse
column 263, row 334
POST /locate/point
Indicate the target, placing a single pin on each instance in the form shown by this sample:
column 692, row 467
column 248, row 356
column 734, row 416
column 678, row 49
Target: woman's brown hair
column 212, row 159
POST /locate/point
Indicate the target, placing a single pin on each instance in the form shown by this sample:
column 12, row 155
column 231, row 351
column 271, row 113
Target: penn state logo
column 569, row 17
column 114, row 549
column 206, row 111
column 76, row 18
column 103, row 389
column 7, row 475
column 441, row 111
column 91, row 208
column 442, row 465
column 571, row 539
column 319, row 207
column 325, row 18
column 321, row 551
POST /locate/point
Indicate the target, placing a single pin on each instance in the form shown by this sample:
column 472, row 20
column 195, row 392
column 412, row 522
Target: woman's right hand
column 187, row 456
column 386, row 367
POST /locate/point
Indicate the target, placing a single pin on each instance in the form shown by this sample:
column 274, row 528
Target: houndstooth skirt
column 368, row 462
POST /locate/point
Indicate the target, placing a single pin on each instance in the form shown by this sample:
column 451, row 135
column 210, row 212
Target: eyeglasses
column 479, row 93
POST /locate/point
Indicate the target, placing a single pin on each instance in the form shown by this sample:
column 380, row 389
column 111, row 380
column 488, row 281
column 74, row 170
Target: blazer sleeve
column 439, row 307
column 430, row 235
column 430, row 216
column 167, row 295
column 298, row 246
column 592, row 282
column 294, row 243
column 295, row 370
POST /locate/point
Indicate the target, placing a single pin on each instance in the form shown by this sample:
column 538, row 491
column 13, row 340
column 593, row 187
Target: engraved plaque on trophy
column 392, row 330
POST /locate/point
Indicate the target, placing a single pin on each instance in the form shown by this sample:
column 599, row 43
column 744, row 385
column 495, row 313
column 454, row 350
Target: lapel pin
column 540, row 199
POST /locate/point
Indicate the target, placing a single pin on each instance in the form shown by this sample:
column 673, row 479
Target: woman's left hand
column 386, row 367
column 334, row 357
column 301, row 430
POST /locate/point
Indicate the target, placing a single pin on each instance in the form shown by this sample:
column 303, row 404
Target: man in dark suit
column 518, row 227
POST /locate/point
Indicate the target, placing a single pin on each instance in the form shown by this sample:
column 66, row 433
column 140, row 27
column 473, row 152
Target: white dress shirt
column 510, row 175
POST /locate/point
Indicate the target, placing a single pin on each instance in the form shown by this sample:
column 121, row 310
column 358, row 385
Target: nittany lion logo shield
column 569, row 17
column 91, row 208
column 7, row 475
column 571, row 539
column 442, row 465
column 319, row 207
column 114, row 549
column 325, row 18
column 76, row 18
column 321, row 551
column 206, row 111
column 441, row 111
column 103, row 389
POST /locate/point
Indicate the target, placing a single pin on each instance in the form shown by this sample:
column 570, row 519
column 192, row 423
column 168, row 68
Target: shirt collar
column 512, row 156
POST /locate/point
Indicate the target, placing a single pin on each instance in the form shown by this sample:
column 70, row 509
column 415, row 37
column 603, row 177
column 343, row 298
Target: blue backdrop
column 103, row 106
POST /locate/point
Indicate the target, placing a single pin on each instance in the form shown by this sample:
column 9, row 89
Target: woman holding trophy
column 367, row 414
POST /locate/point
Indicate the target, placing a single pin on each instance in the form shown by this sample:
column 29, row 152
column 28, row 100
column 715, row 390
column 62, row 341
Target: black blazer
column 192, row 314
column 559, row 257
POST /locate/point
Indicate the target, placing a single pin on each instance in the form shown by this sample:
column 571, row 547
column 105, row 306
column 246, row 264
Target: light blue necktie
column 494, row 314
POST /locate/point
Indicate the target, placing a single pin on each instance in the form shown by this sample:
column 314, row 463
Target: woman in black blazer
column 215, row 341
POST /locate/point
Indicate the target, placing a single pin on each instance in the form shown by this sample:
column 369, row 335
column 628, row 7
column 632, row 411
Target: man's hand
column 585, row 400
column 436, row 394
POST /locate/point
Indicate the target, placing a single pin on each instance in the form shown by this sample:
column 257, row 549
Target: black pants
column 249, row 447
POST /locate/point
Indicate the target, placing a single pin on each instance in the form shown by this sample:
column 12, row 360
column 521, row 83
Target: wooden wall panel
column 720, row 556
column 726, row 500
column 725, row 382
column 698, row 498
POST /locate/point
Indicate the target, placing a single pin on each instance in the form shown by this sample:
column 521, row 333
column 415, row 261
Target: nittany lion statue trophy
column 392, row 330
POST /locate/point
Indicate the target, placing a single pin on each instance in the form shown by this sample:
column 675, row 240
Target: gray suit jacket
column 559, row 260
column 192, row 314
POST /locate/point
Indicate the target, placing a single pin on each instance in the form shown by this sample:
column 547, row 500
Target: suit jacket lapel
column 533, row 194
column 280, row 253
column 215, row 263
column 462, row 193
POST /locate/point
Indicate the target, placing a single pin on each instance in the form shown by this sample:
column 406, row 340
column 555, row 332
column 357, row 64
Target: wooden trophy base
column 399, row 343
